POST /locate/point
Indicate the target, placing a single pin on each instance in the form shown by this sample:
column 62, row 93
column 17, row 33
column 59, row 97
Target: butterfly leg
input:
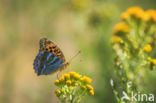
column 58, row 74
column 69, row 69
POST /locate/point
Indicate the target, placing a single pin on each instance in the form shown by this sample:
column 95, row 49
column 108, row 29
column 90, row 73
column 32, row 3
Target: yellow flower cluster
column 86, row 79
column 149, row 58
column 115, row 39
column 148, row 48
column 58, row 92
column 152, row 62
column 74, row 80
column 135, row 12
column 131, row 18
column 136, row 34
column 121, row 28
column 150, row 15
column 75, row 75
column 91, row 89
column 138, row 13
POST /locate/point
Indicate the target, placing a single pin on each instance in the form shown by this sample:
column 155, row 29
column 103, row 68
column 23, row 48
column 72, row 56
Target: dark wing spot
column 54, row 47
column 50, row 48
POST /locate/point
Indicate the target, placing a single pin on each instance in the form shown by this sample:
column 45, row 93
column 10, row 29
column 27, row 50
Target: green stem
column 71, row 101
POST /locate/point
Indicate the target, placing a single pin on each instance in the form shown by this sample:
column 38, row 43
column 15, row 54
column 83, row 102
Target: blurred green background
column 73, row 25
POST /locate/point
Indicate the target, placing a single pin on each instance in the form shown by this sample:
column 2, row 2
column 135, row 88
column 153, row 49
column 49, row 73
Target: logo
column 137, row 96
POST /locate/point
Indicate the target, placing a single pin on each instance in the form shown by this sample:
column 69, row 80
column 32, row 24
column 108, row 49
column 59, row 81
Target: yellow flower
column 154, row 61
column 58, row 92
column 149, row 58
column 148, row 48
column 89, row 87
column 72, row 73
column 66, row 76
column 86, row 79
column 121, row 28
column 150, row 15
column 136, row 12
column 68, row 82
column 56, row 82
column 115, row 39
column 74, row 83
column 91, row 92
column 124, row 16
column 61, row 79
column 75, row 75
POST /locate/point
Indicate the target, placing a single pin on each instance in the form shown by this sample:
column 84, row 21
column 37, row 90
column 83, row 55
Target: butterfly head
column 64, row 66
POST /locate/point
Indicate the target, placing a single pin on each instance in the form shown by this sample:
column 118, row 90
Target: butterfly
column 50, row 58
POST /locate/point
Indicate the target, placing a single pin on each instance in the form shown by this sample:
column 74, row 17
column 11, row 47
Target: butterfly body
column 49, row 59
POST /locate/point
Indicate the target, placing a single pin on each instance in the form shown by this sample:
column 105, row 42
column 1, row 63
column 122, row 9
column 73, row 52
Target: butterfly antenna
column 75, row 56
